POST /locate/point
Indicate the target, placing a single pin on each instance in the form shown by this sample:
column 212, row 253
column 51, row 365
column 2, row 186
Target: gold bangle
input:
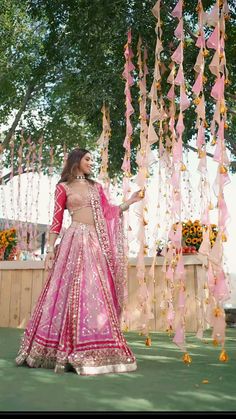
column 124, row 206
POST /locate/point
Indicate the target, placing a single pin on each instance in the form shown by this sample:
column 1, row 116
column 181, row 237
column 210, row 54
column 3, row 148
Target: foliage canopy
column 60, row 60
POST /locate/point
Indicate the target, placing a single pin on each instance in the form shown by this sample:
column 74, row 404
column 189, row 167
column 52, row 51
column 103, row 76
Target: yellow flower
column 192, row 232
column 8, row 239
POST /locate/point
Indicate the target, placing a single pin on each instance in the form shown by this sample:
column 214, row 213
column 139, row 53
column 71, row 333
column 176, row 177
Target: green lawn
column 162, row 381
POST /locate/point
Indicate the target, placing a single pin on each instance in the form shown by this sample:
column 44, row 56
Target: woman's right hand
column 49, row 261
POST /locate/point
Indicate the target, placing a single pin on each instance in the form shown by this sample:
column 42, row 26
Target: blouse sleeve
column 59, row 207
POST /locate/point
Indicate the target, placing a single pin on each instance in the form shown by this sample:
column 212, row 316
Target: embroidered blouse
column 66, row 198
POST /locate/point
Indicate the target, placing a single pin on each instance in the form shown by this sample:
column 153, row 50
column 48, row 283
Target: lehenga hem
column 80, row 370
column 106, row 369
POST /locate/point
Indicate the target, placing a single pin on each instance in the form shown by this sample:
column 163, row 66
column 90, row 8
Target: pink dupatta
column 109, row 226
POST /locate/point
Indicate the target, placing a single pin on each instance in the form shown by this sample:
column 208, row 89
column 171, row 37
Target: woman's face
column 86, row 164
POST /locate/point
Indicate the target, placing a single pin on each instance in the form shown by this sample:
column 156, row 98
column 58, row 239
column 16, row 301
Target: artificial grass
column 162, row 381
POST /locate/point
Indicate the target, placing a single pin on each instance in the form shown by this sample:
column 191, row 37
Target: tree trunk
column 25, row 100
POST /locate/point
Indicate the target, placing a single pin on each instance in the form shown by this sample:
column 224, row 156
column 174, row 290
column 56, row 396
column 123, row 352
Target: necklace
column 80, row 177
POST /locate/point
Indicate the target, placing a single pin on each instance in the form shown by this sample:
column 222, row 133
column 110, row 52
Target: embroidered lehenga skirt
column 75, row 322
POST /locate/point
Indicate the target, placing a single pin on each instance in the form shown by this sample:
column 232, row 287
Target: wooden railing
column 22, row 281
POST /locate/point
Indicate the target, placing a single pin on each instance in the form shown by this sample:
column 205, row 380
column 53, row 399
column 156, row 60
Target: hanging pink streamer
column 179, row 338
column 180, row 76
column 177, row 56
column 197, row 87
column 177, row 11
column 213, row 40
column 179, row 31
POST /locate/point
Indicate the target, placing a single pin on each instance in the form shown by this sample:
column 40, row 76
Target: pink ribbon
column 217, row 91
column 179, row 31
column 180, row 76
column 184, row 101
column 179, row 338
column 197, row 87
column 180, row 124
column 177, row 56
column 177, row 11
column 213, row 40
column 171, row 93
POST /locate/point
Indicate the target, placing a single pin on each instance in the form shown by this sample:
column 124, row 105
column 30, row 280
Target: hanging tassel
column 169, row 330
column 148, row 341
column 215, row 342
column 223, row 170
column 187, row 358
column 224, row 357
column 183, row 168
column 223, row 237
column 141, row 193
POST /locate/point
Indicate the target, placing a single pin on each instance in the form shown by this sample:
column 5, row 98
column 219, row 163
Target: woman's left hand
column 137, row 196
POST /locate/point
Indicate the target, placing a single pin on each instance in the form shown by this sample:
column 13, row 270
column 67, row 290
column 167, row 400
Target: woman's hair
column 69, row 172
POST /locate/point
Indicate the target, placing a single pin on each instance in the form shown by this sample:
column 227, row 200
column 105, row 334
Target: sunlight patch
column 128, row 403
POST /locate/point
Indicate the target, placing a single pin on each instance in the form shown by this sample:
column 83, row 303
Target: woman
column 76, row 321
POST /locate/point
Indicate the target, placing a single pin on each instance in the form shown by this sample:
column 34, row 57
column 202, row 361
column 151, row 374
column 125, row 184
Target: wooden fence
column 21, row 283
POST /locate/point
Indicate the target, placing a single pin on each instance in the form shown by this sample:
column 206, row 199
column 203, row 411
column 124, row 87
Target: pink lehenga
column 76, row 321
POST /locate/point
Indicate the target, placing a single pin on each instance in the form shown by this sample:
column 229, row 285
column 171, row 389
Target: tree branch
column 230, row 143
column 231, row 111
column 196, row 150
column 4, row 179
column 230, row 95
column 186, row 27
column 232, row 164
